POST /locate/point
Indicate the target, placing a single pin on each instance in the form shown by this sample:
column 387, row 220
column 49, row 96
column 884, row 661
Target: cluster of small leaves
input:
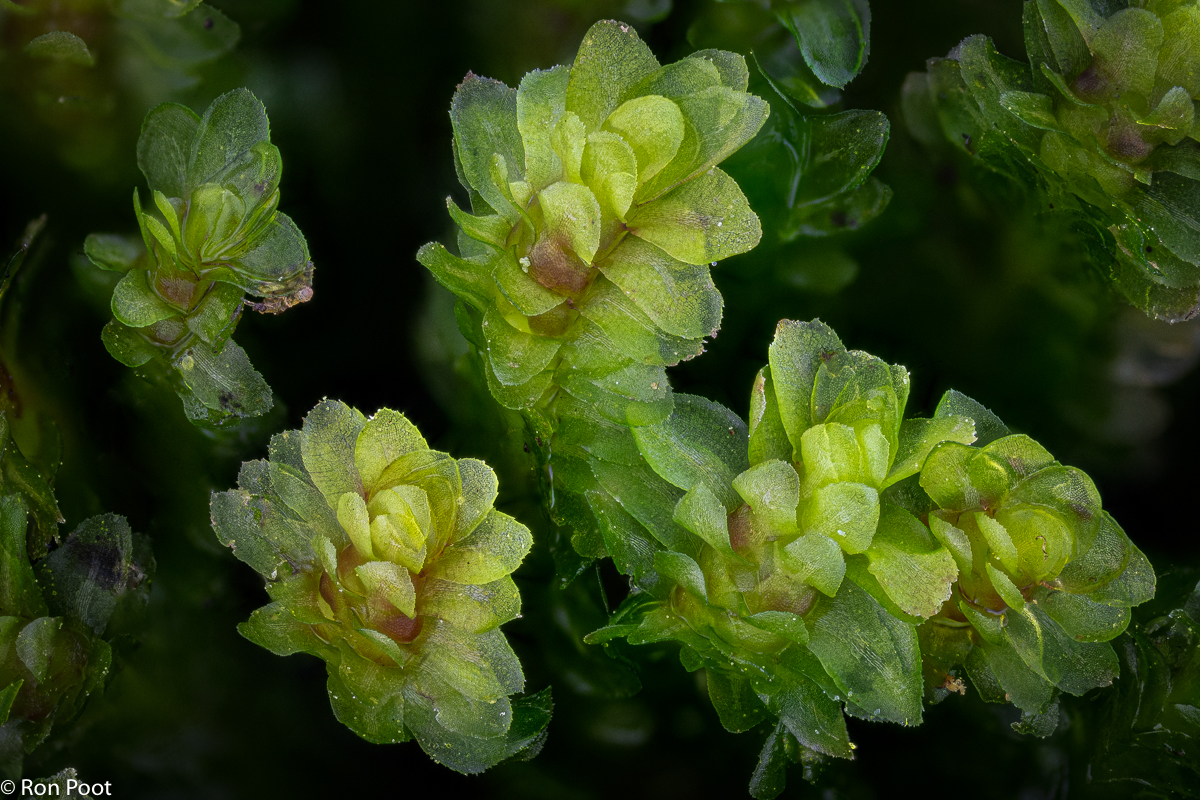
column 1101, row 120
column 1046, row 578
column 53, row 615
column 598, row 211
column 824, row 557
column 213, row 235
column 76, row 63
column 386, row 560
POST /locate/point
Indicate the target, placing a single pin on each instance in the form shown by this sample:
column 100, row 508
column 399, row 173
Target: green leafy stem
column 213, row 235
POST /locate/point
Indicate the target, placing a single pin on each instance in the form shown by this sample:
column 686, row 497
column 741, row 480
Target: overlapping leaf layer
column 213, row 235
column 1102, row 120
column 386, row 560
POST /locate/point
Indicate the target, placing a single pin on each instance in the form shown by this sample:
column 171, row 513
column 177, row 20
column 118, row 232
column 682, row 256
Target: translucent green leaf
column 919, row 436
column 215, row 317
column 572, row 215
column 681, row 570
column 470, row 607
column 1179, row 58
column 165, row 146
column 817, row 560
column 272, row 627
column 680, row 298
column 35, row 645
column 811, row 715
column 686, row 76
column 137, row 305
column 19, row 592
column 768, row 439
column 232, row 125
column 796, row 354
column 1081, row 617
column 7, row 696
column 988, row 426
column 516, row 357
column 1126, row 47
column 834, row 36
column 628, row 542
column 126, row 345
column 328, row 442
column 1033, row 109
column 223, row 385
column 280, row 252
column 782, row 623
column 772, row 489
column 701, row 442
column 912, row 567
column 390, row 581
column 611, row 59
column 1062, row 38
column 653, row 127
column 479, row 491
column 484, row 114
column 86, row 574
column 494, row 549
column 541, row 100
column 61, row 46
column 850, row 145
column 112, row 251
column 367, row 698
column 732, row 695
column 704, row 220
column 847, row 513
column 834, row 452
column 703, row 514
column 871, row 655
column 468, row 280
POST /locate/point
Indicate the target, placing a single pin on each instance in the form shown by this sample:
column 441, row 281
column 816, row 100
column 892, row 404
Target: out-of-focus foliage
column 1100, row 122
column 386, row 560
column 80, row 67
column 53, row 615
column 213, row 235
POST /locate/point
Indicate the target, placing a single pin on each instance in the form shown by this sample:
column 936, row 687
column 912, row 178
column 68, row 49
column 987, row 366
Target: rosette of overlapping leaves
column 801, row 577
column 1102, row 120
column 386, row 559
column 1046, row 577
column 598, row 208
column 53, row 615
column 212, row 235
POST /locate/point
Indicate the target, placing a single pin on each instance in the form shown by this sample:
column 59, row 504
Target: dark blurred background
column 956, row 280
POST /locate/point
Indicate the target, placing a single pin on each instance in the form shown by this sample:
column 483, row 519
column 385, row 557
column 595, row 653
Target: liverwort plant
column 1102, row 121
column 212, row 235
column 386, row 560
column 598, row 210
column 831, row 552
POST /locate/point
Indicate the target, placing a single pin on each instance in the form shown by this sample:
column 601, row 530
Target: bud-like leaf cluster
column 386, row 559
column 598, row 210
column 212, row 235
